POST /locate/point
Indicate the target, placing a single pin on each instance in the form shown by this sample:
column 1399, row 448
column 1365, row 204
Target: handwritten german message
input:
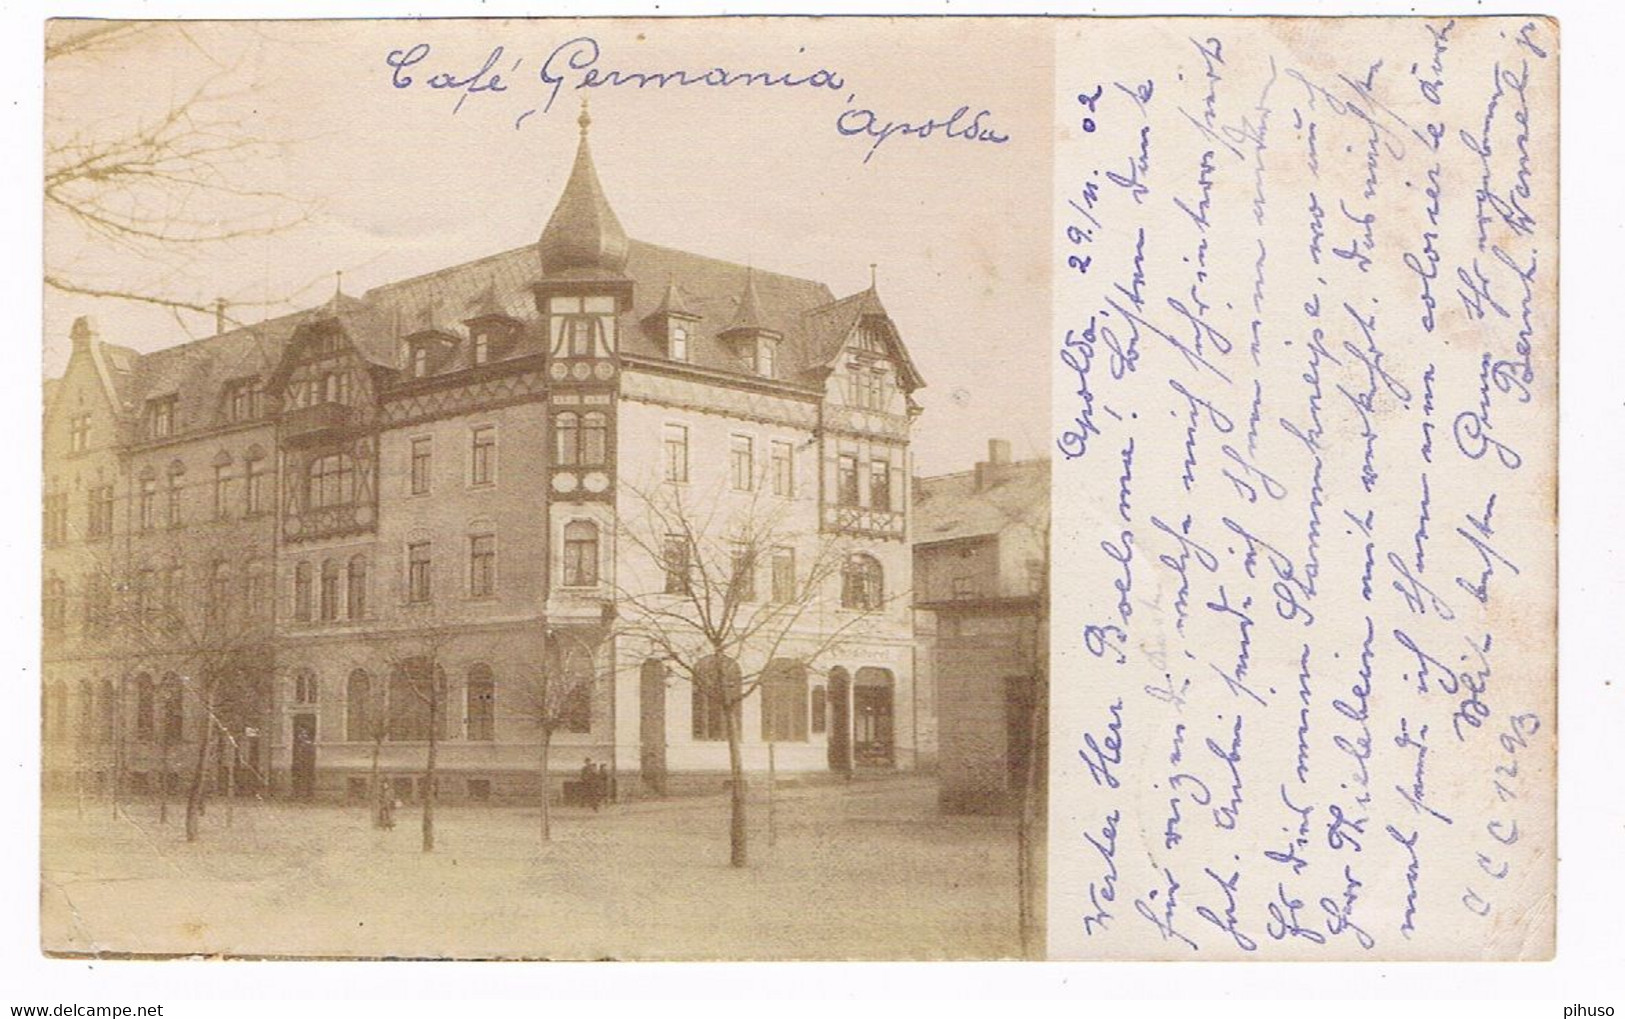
column 1305, row 351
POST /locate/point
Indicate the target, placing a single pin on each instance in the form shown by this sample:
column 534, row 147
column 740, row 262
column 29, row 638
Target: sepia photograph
column 545, row 489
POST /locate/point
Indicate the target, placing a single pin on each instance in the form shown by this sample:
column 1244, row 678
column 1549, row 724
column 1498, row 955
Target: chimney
column 83, row 333
column 219, row 315
column 998, row 455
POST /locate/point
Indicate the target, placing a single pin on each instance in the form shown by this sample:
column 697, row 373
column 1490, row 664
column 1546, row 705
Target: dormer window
column 420, row 362
column 679, row 343
column 482, row 347
column 243, row 400
column 871, row 338
column 161, row 417
column 766, row 363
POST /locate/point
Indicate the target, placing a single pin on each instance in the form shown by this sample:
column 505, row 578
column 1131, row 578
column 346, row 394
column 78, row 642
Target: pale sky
column 397, row 184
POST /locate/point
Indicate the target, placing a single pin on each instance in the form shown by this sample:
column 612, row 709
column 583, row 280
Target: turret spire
column 583, row 237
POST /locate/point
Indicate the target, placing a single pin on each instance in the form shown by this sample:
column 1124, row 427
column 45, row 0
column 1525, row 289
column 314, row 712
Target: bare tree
column 413, row 667
column 703, row 614
column 172, row 186
column 555, row 695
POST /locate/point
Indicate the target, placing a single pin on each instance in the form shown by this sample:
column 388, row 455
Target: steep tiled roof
column 196, row 373
column 951, row 506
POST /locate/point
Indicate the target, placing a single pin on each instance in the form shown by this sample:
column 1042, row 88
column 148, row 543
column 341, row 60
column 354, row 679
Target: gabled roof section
column 831, row 327
column 951, row 507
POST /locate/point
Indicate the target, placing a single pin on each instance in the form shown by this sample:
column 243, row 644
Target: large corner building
column 463, row 458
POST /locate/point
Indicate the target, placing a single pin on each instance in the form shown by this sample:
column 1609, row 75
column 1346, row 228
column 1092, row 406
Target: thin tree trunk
column 772, row 779
column 1030, row 828
column 377, row 786
column 163, row 768
column 547, row 791
column 428, row 794
column 194, row 799
column 736, row 768
column 231, row 778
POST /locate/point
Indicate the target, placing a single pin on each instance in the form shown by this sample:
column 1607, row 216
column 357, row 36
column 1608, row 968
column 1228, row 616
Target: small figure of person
column 589, row 780
column 603, row 786
column 386, row 810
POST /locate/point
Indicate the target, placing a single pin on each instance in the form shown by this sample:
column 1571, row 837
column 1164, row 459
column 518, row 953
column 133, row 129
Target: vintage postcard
column 789, row 488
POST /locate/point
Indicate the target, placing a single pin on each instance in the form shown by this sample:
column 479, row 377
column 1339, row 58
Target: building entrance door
column 873, row 737
column 303, row 776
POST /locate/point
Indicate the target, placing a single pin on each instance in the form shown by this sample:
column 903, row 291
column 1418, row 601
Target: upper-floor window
column 784, row 469
column 56, row 603
column 767, row 362
column 222, row 491
column 420, row 361
column 422, row 461
column 356, row 587
column 870, row 338
column 173, row 501
column 580, row 331
column 679, row 343
column 784, row 575
column 482, row 565
column 330, row 591
column 482, row 347
column 742, row 462
column 101, row 511
column 254, row 486
column 56, row 517
column 594, row 438
column 302, row 590
column 161, row 417
column 742, row 572
column 567, row 439
column 147, row 504
column 675, row 562
column 336, row 387
column 244, row 400
column 676, row 450
column 331, row 482
column 483, row 456
column 418, row 566
column 79, row 433
column 862, row 582
column 866, row 387
column 580, row 554
column 304, row 687
column 846, row 480
column 880, row 484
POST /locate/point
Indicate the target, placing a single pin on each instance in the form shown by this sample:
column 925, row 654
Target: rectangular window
column 676, row 562
column 244, row 401
column 422, row 461
column 482, row 565
column 846, row 480
column 330, row 591
column 784, row 469
column 173, row 502
column 483, row 456
column 679, row 343
column 580, row 554
column 676, row 442
column 880, row 484
column 784, row 575
column 742, row 573
column 301, row 592
column 222, row 492
column 742, row 461
column 79, row 433
column 254, row 487
column 56, row 517
column 147, row 506
column 482, row 347
column 161, row 417
column 768, row 360
column 101, row 511
column 417, row 572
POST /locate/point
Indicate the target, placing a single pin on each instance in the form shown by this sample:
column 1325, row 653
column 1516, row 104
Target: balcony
column 864, row 522
column 311, row 424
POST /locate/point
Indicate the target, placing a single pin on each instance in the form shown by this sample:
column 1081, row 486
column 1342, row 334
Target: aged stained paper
column 582, row 489
column 1304, row 655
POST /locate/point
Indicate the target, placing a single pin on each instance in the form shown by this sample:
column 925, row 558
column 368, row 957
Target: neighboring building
column 447, row 476
column 980, row 587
